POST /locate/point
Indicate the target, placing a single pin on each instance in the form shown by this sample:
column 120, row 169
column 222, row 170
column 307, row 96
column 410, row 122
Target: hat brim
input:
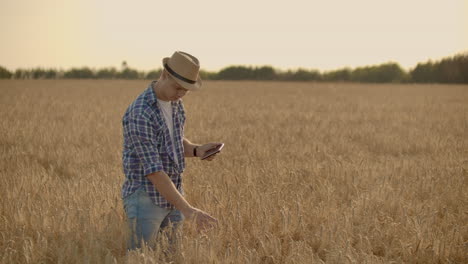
column 189, row 86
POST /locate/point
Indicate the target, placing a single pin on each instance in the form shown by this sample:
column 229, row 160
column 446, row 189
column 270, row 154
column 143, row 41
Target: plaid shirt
column 147, row 145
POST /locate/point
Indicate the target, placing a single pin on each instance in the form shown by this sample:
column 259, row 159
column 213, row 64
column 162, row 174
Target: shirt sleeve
column 142, row 136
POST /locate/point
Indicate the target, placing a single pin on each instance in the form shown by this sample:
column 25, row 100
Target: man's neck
column 157, row 91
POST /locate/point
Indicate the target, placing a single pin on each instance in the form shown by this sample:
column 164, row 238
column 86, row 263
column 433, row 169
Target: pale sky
column 312, row 34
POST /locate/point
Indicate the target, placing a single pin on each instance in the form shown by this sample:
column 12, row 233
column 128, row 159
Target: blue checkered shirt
column 147, row 145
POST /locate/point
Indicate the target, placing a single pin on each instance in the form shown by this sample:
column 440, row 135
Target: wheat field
column 310, row 173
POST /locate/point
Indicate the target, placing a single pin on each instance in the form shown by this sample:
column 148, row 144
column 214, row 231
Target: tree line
column 448, row 70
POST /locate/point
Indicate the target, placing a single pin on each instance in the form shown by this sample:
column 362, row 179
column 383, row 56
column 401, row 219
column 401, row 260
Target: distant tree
column 39, row 73
column 4, row 73
column 235, row 73
column 284, row 75
column 128, row 73
column 141, row 74
column 264, row 73
column 50, row 74
column 206, row 75
column 337, row 75
column 390, row 72
column 423, row 72
column 299, row 75
column 452, row 69
column 79, row 73
column 20, row 74
column 244, row 73
column 304, row 75
column 387, row 72
column 448, row 70
column 107, row 73
column 23, row 74
column 461, row 63
column 153, row 75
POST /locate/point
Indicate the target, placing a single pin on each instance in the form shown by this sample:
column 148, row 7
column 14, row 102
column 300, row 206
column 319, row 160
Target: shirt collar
column 150, row 94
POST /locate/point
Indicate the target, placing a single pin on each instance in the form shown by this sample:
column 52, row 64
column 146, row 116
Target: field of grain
column 311, row 173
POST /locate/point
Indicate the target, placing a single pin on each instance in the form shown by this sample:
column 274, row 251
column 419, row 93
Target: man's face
column 172, row 90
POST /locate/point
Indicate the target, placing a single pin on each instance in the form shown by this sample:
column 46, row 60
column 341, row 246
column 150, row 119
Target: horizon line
column 281, row 69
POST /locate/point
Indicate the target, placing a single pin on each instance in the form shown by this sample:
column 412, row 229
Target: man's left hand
column 201, row 150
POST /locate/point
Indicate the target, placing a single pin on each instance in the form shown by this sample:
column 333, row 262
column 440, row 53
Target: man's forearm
column 167, row 189
column 188, row 148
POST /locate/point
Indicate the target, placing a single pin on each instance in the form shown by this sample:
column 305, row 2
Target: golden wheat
column 311, row 173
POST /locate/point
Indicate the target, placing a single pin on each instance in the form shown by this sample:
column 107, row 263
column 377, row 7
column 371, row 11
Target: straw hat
column 185, row 70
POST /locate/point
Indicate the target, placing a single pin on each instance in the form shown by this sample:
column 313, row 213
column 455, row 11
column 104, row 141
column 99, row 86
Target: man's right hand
column 166, row 187
column 203, row 220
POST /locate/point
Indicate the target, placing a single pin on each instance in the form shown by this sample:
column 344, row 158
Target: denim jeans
column 145, row 220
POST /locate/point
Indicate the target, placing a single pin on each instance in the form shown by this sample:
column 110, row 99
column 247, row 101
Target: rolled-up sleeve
column 143, row 139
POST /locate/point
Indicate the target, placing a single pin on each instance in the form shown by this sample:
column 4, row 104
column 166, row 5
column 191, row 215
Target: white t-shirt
column 166, row 108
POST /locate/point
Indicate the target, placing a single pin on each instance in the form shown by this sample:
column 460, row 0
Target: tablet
column 213, row 151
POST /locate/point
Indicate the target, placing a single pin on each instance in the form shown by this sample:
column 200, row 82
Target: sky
column 322, row 35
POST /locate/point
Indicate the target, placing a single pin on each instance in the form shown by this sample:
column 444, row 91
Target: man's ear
column 164, row 74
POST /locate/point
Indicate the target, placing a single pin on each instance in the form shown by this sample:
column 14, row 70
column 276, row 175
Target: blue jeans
column 145, row 220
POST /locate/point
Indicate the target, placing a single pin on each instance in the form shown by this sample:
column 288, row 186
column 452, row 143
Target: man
column 154, row 152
